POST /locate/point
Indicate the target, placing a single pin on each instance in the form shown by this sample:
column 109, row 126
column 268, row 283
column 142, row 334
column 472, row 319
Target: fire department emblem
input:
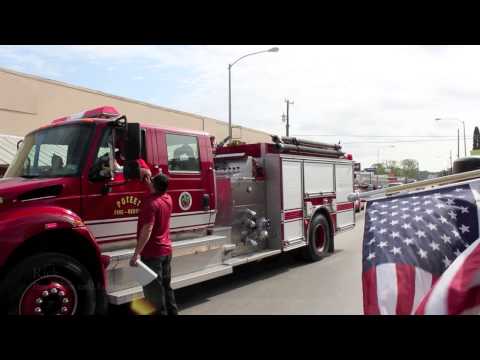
column 185, row 200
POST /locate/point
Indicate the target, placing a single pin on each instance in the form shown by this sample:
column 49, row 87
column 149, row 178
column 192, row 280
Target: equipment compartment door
column 344, row 187
column 292, row 197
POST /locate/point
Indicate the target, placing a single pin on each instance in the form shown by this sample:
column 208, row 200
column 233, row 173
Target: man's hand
column 146, row 175
column 133, row 260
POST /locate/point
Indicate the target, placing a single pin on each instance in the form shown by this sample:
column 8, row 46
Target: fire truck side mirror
column 131, row 170
column 133, row 142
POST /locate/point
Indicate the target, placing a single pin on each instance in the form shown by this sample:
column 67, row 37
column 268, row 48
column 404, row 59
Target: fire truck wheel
column 50, row 284
column 319, row 243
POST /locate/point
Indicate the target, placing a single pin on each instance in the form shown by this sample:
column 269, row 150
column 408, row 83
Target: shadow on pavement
column 243, row 275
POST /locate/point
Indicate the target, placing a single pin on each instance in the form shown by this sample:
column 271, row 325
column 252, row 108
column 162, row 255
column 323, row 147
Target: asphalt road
column 283, row 285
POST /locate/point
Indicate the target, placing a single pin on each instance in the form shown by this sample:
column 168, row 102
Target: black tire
column 311, row 252
column 49, row 265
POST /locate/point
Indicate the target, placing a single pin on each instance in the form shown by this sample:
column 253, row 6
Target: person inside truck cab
column 102, row 164
column 57, row 164
column 119, row 162
column 182, row 156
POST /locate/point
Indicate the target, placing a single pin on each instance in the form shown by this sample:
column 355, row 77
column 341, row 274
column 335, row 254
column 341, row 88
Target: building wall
column 28, row 102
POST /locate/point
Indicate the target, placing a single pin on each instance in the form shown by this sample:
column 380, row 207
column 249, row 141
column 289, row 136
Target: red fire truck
column 68, row 208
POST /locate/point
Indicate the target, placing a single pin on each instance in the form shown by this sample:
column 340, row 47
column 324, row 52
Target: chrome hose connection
column 254, row 229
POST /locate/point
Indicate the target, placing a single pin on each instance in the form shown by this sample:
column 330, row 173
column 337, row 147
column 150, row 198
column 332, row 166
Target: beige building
column 28, row 102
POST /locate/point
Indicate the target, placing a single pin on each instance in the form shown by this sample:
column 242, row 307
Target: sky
column 380, row 102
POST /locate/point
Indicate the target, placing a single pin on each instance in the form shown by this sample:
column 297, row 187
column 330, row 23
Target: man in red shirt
column 154, row 245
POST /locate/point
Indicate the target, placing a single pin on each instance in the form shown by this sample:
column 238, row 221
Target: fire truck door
column 112, row 215
column 343, row 187
column 292, row 199
column 190, row 182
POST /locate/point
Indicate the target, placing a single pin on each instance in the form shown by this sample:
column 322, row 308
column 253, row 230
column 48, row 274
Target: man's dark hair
column 160, row 183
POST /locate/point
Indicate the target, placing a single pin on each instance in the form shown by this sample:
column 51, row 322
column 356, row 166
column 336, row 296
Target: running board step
column 120, row 258
column 195, row 246
column 243, row 259
column 294, row 244
column 128, row 295
column 200, row 276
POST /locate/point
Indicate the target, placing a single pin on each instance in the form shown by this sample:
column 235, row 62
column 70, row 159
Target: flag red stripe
column 462, row 293
column 405, row 289
column 472, row 299
column 370, row 299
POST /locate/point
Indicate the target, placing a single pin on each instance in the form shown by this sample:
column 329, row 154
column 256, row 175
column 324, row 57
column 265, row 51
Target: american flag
column 458, row 289
column 411, row 240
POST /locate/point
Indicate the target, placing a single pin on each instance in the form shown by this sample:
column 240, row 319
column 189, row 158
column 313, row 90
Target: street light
column 464, row 137
column 274, row 49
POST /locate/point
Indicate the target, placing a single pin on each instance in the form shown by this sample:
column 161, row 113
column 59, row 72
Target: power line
column 381, row 136
column 399, row 141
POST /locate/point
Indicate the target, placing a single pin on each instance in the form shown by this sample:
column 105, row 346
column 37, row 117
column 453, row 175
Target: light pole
column 458, row 134
column 274, row 49
column 288, row 116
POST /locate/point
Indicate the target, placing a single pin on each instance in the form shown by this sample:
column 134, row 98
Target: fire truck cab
column 69, row 204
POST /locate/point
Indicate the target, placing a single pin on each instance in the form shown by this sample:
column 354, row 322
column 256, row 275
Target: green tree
column 410, row 168
column 379, row 169
column 444, row 173
column 392, row 166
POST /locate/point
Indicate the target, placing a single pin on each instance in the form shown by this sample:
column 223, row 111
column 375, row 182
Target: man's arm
column 145, row 172
column 145, row 233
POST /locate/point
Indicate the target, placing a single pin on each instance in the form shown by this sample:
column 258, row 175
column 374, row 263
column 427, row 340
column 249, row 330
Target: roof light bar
column 103, row 112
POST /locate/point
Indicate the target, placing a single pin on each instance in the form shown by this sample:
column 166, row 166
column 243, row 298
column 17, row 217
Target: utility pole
column 451, row 166
column 458, row 143
column 288, row 116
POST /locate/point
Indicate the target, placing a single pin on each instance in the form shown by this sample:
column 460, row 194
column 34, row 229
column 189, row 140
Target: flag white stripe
column 423, row 283
column 437, row 303
column 387, row 288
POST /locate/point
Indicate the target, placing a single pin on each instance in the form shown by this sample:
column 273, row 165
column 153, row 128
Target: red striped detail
column 294, row 214
column 345, row 206
column 370, row 299
column 321, row 200
column 405, row 289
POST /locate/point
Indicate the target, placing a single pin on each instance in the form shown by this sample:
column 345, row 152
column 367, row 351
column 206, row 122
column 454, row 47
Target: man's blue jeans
column 159, row 292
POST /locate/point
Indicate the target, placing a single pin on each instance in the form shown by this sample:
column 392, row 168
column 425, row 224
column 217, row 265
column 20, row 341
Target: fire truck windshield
column 52, row 152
